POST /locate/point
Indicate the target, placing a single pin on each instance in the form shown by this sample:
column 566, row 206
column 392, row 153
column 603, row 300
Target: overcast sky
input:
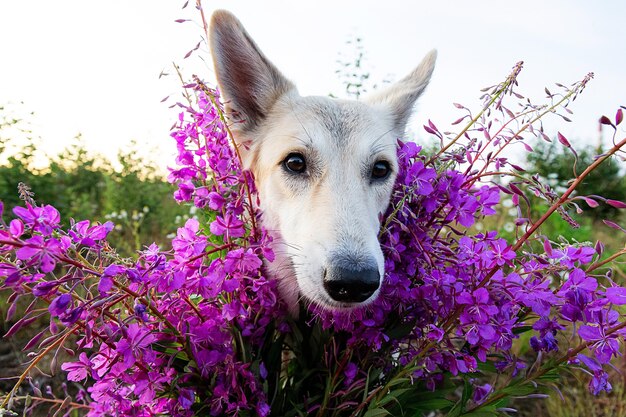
column 92, row 67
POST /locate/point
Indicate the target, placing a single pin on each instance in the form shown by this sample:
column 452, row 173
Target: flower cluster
column 199, row 329
column 150, row 330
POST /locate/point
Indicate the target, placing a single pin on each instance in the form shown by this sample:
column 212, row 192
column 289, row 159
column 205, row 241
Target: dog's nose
column 350, row 285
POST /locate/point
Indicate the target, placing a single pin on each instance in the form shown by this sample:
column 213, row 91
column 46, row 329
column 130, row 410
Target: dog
column 324, row 168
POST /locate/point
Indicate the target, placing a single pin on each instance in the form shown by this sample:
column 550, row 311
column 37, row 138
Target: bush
column 556, row 164
column 86, row 186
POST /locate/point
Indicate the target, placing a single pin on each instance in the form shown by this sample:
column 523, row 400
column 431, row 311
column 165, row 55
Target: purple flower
column 78, row 371
column 188, row 242
column 578, row 281
column 500, row 254
column 481, row 392
column 228, row 226
column 488, row 198
column 59, row 305
column 41, row 219
column 43, row 253
column 263, row 409
column 603, row 346
column 134, row 343
column 186, row 398
column 421, row 178
column 242, row 260
column 88, row 236
column 572, row 255
column 350, row 372
column 616, row 295
column 465, row 214
column 190, row 325
column 262, row 371
column 42, row 288
column 216, row 201
column 106, row 280
column 479, row 307
column 600, row 380
column 185, row 191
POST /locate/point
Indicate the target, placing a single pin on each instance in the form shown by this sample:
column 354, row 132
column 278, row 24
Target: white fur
column 332, row 211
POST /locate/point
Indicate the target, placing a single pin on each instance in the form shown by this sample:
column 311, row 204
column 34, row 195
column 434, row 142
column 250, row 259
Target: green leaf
column 468, row 390
column 376, row 412
column 401, row 330
column 435, row 404
column 399, row 381
column 519, row 390
column 487, row 367
column 393, row 395
column 481, row 414
column 522, row 329
column 552, row 375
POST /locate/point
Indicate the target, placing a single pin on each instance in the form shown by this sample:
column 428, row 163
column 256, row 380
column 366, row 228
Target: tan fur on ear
column 402, row 95
column 249, row 82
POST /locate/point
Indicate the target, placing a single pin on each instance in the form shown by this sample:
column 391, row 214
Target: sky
column 92, row 67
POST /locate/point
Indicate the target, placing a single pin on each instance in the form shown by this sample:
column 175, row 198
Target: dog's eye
column 380, row 170
column 295, row 163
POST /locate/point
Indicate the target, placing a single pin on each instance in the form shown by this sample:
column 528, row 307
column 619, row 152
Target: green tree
column 82, row 185
column 556, row 163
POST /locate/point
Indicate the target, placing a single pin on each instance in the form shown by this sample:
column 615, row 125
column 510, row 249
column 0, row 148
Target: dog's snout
column 351, row 285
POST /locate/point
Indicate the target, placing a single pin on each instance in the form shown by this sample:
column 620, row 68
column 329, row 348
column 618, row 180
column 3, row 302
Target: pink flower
column 228, row 226
column 78, row 371
column 41, row 219
column 43, row 253
column 134, row 343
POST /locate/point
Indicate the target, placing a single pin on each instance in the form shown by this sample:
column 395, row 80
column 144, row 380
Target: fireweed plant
column 199, row 329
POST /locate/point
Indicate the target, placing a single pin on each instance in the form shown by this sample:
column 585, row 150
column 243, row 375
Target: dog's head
column 324, row 168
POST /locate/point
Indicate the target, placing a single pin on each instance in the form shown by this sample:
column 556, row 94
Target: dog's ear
column 249, row 82
column 401, row 96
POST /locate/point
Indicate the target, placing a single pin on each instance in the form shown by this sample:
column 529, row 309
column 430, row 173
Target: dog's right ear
column 400, row 97
column 248, row 81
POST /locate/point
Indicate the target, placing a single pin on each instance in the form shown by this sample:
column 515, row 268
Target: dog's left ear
column 402, row 95
column 249, row 82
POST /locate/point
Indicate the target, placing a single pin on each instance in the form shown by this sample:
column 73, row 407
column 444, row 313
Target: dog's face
column 324, row 168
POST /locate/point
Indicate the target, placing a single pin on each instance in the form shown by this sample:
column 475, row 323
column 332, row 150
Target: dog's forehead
column 344, row 121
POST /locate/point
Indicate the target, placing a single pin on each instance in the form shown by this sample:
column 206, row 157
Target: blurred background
column 87, row 88
column 98, row 68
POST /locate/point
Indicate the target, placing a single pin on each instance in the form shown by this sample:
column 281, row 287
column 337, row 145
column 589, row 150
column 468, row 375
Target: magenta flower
column 78, row 371
column 16, row 228
column 43, row 253
column 603, row 346
column 421, row 177
column 40, row 219
column 228, row 226
column 188, row 242
column 88, row 236
column 134, row 343
column 479, row 306
column 600, row 381
column 59, row 305
column 616, row 295
column 241, row 260
column 500, row 254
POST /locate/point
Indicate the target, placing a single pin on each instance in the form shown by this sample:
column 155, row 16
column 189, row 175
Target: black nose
column 350, row 285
